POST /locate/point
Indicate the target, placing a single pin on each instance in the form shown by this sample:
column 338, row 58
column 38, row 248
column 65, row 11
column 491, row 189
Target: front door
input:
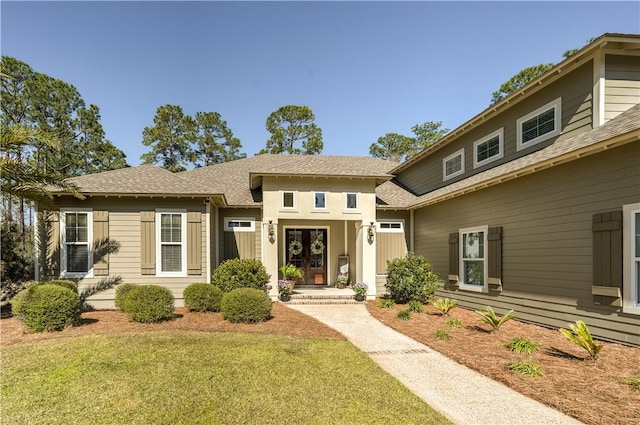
column 307, row 250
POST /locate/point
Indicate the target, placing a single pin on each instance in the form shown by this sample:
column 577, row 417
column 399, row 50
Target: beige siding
column 251, row 245
column 388, row 247
column 239, row 245
column 547, row 239
column 576, row 92
column 622, row 84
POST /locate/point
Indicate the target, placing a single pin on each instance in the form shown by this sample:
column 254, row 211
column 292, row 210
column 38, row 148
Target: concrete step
column 306, row 298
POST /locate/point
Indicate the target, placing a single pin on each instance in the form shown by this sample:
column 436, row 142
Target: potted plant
column 291, row 274
column 360, row 289
column 284, row 290
column 342, row 281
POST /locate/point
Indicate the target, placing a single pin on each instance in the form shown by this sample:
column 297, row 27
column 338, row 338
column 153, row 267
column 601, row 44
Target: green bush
column 526, row 367
column 48, row 307
column 240, row 273
column 121, row 292
column 522, row 345
column 454, row 323
column 404, row 315
column 18, row 303
column 386, row 303
column 69, row 284
column 415, row 307
column 246, row 305
column 411, row 279
column 442, row 334
column 202, row 297
column 149, row 304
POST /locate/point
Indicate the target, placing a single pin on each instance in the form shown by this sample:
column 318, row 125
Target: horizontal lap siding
column 622, row 84
column 547, row 239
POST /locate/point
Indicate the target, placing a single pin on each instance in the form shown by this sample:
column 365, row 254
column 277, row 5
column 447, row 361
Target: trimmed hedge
column 411, row 279
column 69, row 284
column 246, row 305
column 240, row 273
column 149, row 304
column 48, row 307
column 121, row 293
column 202, row 297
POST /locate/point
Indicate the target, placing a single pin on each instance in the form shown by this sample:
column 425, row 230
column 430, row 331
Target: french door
column 307, row 250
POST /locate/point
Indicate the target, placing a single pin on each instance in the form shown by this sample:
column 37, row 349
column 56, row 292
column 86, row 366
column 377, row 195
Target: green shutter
column 147, row 242
column 100, row 240
column 194, row 243
column 607, row 258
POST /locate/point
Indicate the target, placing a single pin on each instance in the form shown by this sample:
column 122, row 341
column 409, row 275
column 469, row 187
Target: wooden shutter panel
column 494, row 239
column 607, row 258
column 52, row 264
column 454, row 257
column 100, row 238
column 194, row 243
column 147, row 242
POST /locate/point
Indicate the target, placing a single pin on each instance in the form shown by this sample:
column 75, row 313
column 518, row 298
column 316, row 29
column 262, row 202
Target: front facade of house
column 533, row 205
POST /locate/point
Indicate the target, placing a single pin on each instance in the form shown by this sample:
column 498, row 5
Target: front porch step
column 321, row 299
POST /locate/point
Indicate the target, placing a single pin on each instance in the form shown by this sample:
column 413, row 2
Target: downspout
column 411, row 232
column 208, row 238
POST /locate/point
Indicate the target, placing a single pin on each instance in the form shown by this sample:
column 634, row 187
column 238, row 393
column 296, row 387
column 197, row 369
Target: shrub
column 240, row 273
column 415, row 307
column 149, row 304
column 18, row 303
column 386, row 303
column 404, row 315
column 411, row 279
column 489, row 317
column 454, row 323
column 69, row 284
column 522, row 345
column 202, row 297
column 48, row 307
column 442, row 334
column 121, row 293
column 444, row 305
column 526, row 367
column 580, row 335
column 633, row 381
column 246, row 305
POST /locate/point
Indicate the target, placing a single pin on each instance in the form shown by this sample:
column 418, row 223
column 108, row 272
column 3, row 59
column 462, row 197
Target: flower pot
column 340, row 286
column 359, row 297
column 285, row 298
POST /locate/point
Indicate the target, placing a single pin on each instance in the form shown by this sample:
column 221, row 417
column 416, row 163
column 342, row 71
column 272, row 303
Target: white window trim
column 282, row 192
column 500, row 154
column 313, row 201
column 251, row 228
column 183, row 243
column 449, row 158
column 555, row 104
column 629, row 295
column 63, row 243
column 380, row 229
column 344, row 204
column 462, row 284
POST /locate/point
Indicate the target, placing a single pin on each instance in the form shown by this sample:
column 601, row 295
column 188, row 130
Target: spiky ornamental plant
column 444, row 305
column 489, row 317
column 580, row 335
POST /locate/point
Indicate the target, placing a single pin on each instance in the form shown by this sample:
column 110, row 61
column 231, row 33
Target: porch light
column 271, row 230
column 371, row 232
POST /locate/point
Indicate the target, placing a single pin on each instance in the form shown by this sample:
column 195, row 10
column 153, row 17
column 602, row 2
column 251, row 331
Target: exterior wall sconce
column 371, row 232
column 271, row 231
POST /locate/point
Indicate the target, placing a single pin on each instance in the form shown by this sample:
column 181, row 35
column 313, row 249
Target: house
column 532, row 205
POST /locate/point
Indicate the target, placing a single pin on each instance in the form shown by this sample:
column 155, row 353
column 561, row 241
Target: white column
column 270, row 254
column 366, row 257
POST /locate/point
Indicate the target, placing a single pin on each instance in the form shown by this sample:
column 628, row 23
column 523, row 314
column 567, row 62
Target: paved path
column 459, row 393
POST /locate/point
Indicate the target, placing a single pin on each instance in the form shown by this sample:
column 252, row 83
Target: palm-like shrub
column 246, row 305
column 411, row 279
column 202, row 297
column 489, row 317
column 240, row 273
column 444, row 305
column 121, row 292
column 149, row 304
column 580, row 335
column 47, row 307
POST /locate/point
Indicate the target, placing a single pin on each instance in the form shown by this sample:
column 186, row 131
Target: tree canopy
column 292, row 124
column 399, row 148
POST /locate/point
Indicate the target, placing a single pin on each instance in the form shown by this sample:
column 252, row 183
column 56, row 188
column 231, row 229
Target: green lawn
column 201, row 378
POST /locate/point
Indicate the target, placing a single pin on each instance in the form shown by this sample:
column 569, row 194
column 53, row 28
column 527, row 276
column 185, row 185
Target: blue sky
column 364, row 68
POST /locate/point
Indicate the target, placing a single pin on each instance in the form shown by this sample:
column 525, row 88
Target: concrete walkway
column 459, row 393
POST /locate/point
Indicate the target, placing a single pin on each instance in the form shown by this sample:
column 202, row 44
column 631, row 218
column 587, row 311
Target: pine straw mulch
column 588, row 390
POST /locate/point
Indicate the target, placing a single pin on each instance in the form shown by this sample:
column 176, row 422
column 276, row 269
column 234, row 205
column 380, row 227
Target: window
column 473, row 267
column 76, row 230
column 631, row 273
column 171, row 234
column 488, row 149
column 319, row 200
column 390, row 226
column 453, row 165
column 539, row 125
column 288, row 200
column 239, row 225
column 351, row 201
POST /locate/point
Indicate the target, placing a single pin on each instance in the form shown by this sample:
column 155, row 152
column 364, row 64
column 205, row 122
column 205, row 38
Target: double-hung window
column 473, row 259
column 631, row 273
column 539, row 125
column 288, row 200
column 171, row 243
column 76, row 229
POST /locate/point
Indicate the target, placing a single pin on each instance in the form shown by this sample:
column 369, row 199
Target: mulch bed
column 588, row 390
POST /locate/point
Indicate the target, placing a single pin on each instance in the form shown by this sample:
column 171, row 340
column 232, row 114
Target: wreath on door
column 295, row 247
column 317, row 247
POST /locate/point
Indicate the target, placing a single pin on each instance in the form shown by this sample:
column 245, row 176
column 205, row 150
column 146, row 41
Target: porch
column 322, row 295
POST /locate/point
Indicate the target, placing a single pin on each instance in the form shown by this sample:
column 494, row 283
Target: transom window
column 453, row 165
column 351, row 201
column 171, row 234
column 539, row 125
column 288, row 200
column 473, row 267
column 76, row 246
column 489, row 148
column 390, row 226
column 239, row 225
column 319, row 200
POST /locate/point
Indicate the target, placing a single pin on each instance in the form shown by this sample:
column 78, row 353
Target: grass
column 526, row 367
column 201, row 378
column 522, row 345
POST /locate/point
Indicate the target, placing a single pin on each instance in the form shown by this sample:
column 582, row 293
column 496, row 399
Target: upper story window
column 350, row 201
column 288, row 200
column 539, row 125
column 239, row 225
column 488, row 148
column 319, row 200
column 76, row 230
column 171, row 249
column 453, row 165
